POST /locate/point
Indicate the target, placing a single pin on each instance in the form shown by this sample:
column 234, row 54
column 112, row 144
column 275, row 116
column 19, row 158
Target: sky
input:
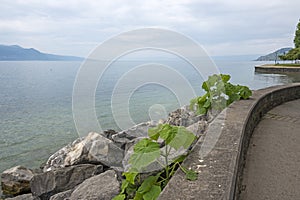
column 222, row 27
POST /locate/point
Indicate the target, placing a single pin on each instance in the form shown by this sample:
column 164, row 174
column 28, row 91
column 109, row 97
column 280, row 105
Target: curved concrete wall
column 221, row 169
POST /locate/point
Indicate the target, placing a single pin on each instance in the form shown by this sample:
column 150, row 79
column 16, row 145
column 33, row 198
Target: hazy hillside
column 15, row 52
column 274, row 56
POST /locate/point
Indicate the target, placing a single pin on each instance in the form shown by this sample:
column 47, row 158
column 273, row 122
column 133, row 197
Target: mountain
column 274, row 56
column 17, row 53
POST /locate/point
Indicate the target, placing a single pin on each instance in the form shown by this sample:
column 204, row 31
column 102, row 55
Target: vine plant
column 147, row 151
column 164, row 138
column 219, row 94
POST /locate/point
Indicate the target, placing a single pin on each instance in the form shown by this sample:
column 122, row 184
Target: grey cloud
column 75, row 26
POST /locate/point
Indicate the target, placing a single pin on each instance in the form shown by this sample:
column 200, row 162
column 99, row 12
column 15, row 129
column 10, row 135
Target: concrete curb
column 220, row 171
column 276, row 69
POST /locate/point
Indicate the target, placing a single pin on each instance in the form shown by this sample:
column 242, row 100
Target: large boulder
column 104, row 186
column 52, row 182
column 94, row 148
column 57, row 159
column 16, row 180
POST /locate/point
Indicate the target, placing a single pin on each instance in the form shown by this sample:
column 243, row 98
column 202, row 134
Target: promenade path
column 272, row 169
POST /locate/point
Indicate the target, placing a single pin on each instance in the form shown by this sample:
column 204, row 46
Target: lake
column 36, row 102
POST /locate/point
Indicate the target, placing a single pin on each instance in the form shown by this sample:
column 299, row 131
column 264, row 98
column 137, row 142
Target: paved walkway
column 272, row 168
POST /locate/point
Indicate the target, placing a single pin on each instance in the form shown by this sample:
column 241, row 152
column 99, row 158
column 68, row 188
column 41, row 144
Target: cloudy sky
column 222, row 27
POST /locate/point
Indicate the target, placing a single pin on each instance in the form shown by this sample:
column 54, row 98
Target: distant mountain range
column 17, row 53
column 274, row 56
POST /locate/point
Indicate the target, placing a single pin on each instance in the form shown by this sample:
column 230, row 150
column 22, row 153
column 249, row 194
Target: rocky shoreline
column 90, row 167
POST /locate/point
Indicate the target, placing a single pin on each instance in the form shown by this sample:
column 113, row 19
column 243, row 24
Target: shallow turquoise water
column 36, row 102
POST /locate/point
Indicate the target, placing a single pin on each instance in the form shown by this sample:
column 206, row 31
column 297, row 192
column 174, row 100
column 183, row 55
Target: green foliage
column 294, row 54
column 297, row 36
column 189, row 174
column 288, row 64
column 146, row 151
column 219, row 94
column 175, row 136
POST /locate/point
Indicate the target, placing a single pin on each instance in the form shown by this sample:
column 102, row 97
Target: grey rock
column 16, row 180
column 109, row 133
column 24, row 197
column 62, row 195
column 122, row 138
column 126, row 137
column 140, row 130
column 103, row 187
column 57, row 159
column 183, row 117
column 52, row 182
column 94, row 148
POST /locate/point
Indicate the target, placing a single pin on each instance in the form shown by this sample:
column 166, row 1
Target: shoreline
column 97, row 154
column 271, row 68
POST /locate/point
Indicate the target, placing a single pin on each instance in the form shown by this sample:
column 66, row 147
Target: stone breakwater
column 91, row 167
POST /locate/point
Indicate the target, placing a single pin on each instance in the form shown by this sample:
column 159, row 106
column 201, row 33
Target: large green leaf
column 147, row 184
column 124, row 185
column 130, row 176
column 145, row 152
column 138, row 196
column 153, row 193
column 225, row 77
column 183, row 138
column 168, row 133
column 154, row 133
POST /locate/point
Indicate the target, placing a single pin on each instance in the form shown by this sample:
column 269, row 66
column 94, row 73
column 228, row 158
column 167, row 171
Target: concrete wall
column 221, row 169
column 276, row 69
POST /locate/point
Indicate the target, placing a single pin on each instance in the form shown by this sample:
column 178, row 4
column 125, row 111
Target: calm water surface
column 36, row 102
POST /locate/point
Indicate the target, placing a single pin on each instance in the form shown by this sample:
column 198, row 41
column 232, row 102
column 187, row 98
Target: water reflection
column 277, row 79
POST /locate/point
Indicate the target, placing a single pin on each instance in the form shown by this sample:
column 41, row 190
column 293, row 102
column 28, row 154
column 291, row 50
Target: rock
column 94, row 148
column 16, row 180
column 183, row 117
column 52, row 182
column 57, row 159
column 62, row 195
column 139, row 130
column 104, row 186
column 109, row 133
column 24, row 197
column 122, row 138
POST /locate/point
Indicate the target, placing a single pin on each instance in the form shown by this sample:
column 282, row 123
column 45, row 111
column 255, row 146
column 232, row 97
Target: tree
column 297, row 36
column 294, row 54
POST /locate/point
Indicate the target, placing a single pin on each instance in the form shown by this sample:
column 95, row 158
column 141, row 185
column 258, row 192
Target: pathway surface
column 272, row 168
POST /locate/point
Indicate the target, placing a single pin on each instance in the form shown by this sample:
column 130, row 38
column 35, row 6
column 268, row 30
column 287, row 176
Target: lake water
column 36, row 102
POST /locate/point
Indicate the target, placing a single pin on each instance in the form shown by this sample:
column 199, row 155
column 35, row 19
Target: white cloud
column 77, row 26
